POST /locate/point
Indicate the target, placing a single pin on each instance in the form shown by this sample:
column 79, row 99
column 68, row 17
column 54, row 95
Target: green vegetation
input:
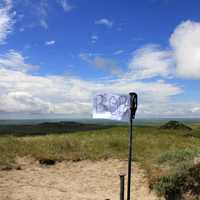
column 175, row 125
column 167, row 155
column 99, row 144
column 182, row 183
column 48, row 128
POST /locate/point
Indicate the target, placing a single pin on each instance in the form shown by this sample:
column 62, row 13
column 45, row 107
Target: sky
column 56, row 54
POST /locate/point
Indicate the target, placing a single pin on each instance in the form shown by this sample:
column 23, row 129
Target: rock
column 47, row 162
column 18, row 168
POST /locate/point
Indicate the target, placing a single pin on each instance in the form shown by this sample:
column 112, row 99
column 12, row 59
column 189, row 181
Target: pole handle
column 133, row 104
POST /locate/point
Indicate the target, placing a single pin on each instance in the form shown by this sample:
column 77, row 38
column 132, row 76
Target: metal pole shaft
column 122, row 186
column 130, row 158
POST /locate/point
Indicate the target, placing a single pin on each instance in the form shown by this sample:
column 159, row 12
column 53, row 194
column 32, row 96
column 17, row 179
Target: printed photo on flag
column 111, row 106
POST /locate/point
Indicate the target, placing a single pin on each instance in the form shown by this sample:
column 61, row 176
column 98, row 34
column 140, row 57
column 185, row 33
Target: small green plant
column 170, row 186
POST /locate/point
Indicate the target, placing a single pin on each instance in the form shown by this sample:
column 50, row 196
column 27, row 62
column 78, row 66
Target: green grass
column 151, row 145
column 100, row 144
column 161, row 152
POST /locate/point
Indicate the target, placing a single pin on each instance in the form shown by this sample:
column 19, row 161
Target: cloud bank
column 21, row 92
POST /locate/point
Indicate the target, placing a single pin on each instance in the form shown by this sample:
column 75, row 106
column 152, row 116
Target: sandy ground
column 84, row 180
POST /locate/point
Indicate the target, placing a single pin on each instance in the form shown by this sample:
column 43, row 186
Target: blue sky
column 55, row 54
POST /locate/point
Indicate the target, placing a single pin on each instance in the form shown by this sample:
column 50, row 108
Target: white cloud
column 66, row 5
column 94, row 38
column 150, row 61
column 23, row 102
column 51, row 42
column 181, row 59
column 185, row 42
column 6, row 20
column 15, row 61
column 105, row 22
column 196, row 109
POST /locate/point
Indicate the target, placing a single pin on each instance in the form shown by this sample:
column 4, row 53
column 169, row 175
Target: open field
column 161, row 153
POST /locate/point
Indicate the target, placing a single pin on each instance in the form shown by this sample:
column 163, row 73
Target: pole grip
column 133, row 104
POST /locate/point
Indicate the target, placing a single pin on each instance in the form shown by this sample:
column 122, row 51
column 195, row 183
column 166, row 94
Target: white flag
column 111, row 106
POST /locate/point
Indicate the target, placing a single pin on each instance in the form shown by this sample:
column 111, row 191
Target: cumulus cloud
column 6, row 19
column 150, row 61
column 105, row 22
column 23, row 102
column 51, row 42
column 181, row 59
column 185, row 42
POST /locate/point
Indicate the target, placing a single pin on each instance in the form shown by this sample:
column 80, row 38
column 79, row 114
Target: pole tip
column 132, row 93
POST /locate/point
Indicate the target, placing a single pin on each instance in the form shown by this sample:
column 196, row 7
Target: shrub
column 174, row 186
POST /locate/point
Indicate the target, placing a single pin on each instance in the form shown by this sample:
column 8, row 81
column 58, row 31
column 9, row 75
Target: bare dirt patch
column 84, row 180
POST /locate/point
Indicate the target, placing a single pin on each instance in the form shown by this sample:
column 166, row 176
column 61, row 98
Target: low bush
column 175, row 186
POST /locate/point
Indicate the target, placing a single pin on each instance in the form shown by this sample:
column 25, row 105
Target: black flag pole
column 133, row 108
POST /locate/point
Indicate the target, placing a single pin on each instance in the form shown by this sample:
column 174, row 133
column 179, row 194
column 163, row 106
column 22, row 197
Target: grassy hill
column 48, row 128
column 166, row 155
